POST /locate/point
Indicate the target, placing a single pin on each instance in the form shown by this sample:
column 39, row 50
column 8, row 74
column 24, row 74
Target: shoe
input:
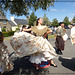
column 54, row 65
column 59, row 52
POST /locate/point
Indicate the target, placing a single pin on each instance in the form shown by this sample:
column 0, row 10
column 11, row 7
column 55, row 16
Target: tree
column 55, row 22
column 66, row 21
column 22, row 7
column 46, row 20
column 74, row 19
column 2, row 10
column 32, row 19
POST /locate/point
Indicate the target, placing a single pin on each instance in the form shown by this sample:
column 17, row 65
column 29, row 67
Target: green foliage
column 6, row 34
column 74, row 19
column 32, row 19
column 66, row 21
column 46, row 20
column 34, row 23
column 3, row 29
column 22, row 7
column 50, row 36
column 55, row 22
column 17, row 28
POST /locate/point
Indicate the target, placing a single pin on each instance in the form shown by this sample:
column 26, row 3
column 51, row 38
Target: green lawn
column 7, row 38
column 50, row 36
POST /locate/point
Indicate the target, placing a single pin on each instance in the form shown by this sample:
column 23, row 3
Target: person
column 59, row 38
column 23, row 27
column 38, row 46
column 52, row 29
column 73, row 34
column 0, row 29
column 5, row 62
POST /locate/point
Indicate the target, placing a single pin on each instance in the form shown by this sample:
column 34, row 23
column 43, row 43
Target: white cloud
column 71, row 4
column 74, row 3
column 73, row 14
column 70, row 19
column 53, row 10
column 63, row 10
column 68, row 3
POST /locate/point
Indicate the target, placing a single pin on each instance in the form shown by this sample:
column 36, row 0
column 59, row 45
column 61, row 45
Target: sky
column 60, row 10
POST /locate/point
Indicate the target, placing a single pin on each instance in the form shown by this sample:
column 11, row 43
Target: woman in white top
column 73, row 34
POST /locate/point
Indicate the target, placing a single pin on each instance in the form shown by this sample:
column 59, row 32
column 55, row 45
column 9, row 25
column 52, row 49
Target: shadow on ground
column 68, row 63
column 22, row 66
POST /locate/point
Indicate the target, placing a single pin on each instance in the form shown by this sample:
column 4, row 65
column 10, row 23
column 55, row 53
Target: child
column 5, row 63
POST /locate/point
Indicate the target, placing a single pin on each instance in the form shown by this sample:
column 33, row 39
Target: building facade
column 11, row 24
column 4, row 23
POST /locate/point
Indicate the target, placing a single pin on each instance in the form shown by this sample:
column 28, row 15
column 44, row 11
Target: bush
column 6, row 34
column 17, row 28
column 3, row 29
column 11, row 33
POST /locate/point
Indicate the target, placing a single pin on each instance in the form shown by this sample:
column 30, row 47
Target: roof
column 11, row 23
column 21, row 21
column 3, row 17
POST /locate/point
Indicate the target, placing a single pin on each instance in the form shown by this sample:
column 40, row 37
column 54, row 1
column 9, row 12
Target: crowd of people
column 33, row 41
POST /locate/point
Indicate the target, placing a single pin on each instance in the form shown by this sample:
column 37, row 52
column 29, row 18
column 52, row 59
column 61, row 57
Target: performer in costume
column 73, row 35
column 5, row 63
column 40, row 49
column 60, row 32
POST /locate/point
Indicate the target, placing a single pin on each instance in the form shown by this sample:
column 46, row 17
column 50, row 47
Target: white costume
column 38, row 47
column 73, row 35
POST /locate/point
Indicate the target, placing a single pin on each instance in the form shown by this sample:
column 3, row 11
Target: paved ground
column 65, row 62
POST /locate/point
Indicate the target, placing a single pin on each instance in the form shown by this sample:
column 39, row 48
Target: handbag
column 65, row 37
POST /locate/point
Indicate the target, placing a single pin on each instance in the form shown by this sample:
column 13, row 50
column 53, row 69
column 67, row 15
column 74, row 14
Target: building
column 12, row 24
column 4, row 22
column 17, row 22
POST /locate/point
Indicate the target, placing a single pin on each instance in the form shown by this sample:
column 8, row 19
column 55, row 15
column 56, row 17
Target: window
column 4, row 27
column 4, row 22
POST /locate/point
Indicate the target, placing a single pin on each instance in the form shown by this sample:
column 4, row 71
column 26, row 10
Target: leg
column 52, row 63
column 37, row 67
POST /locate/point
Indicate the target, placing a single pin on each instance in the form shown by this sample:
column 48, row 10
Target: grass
column 7, row 38
column 50, row 36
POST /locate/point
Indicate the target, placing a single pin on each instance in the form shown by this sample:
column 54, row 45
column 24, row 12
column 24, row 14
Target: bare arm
column 27, row 29
column 49, row 32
